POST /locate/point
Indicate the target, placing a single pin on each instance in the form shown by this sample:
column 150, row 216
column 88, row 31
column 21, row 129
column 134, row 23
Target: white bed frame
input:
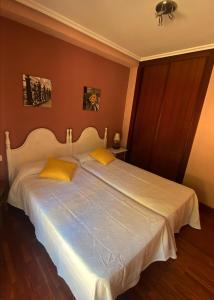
column 41, row 143
column 89, row 140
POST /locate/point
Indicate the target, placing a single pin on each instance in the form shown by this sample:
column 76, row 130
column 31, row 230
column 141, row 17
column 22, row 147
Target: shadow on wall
column 202, row 189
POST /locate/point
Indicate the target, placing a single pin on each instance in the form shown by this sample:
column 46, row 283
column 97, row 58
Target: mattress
column 176, row 202
column 99, row 239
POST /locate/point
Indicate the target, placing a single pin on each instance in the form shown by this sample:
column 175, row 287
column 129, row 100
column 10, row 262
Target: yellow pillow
column 58, row 169
column 102, row 155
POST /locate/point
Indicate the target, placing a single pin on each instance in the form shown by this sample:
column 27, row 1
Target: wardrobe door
column 147, row 113
column 179, row 106
column 168, row 100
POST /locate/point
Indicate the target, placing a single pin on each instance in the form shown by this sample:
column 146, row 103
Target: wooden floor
column 26, row 271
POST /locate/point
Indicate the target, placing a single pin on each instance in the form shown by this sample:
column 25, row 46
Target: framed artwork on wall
column 36, row 91
column 91, row 98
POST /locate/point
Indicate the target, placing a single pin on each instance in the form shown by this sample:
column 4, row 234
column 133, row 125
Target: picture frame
column 91, row 98
column 36, row 91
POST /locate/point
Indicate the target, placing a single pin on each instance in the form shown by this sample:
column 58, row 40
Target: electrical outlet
column 1, row 158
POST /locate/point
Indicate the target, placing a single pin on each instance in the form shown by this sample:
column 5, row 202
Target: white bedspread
column 99, row 239
column 177, row 203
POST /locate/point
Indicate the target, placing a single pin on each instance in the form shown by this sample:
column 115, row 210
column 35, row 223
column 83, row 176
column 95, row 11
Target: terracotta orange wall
column 200, row 169
column 28, row 51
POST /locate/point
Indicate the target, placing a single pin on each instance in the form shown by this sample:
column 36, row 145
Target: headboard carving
column 40, row 144
column 89, row 140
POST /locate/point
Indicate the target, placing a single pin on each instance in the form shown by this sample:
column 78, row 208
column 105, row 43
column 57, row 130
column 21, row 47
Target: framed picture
column 37, row 91
column 91, row 98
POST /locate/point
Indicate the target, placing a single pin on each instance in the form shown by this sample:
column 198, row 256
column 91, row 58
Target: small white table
column 119, row 153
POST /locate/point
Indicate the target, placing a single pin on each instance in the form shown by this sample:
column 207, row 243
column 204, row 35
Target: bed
column 99, row 239
column 176, row 202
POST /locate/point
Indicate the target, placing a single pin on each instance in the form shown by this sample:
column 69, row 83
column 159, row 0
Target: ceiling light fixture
column 166, row 7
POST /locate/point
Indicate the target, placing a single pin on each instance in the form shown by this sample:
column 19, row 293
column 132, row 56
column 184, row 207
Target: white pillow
column 83, row 157
column 35, row 167
column 30, row 168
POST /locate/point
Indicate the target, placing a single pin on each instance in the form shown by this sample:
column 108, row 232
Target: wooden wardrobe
column 168, row 100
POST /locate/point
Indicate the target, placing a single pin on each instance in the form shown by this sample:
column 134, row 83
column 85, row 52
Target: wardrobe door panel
column 175, row 120
column 147, row 113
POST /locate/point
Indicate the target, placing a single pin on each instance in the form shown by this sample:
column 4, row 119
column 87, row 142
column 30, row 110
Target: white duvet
column 99, row 239
column 177, row 203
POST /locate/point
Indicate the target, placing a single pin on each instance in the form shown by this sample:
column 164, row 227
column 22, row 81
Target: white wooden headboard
column 40, row 144
column 89, row 140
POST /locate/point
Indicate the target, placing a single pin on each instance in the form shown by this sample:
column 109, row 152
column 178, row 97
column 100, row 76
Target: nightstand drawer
column 121, row 156
column 119, row 153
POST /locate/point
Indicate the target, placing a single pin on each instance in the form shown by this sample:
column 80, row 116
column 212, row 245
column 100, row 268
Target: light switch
column 1, row 158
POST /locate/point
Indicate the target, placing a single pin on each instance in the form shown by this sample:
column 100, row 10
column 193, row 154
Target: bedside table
column 3, row 197
column 119, row 153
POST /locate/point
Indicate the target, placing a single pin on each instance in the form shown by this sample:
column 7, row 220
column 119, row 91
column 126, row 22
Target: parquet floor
column 26, row 271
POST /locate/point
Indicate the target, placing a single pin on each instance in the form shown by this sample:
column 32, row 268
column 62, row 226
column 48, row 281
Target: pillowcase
column 58, row 169
column 82, row 157
column 102, row 155
column 29, row 168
